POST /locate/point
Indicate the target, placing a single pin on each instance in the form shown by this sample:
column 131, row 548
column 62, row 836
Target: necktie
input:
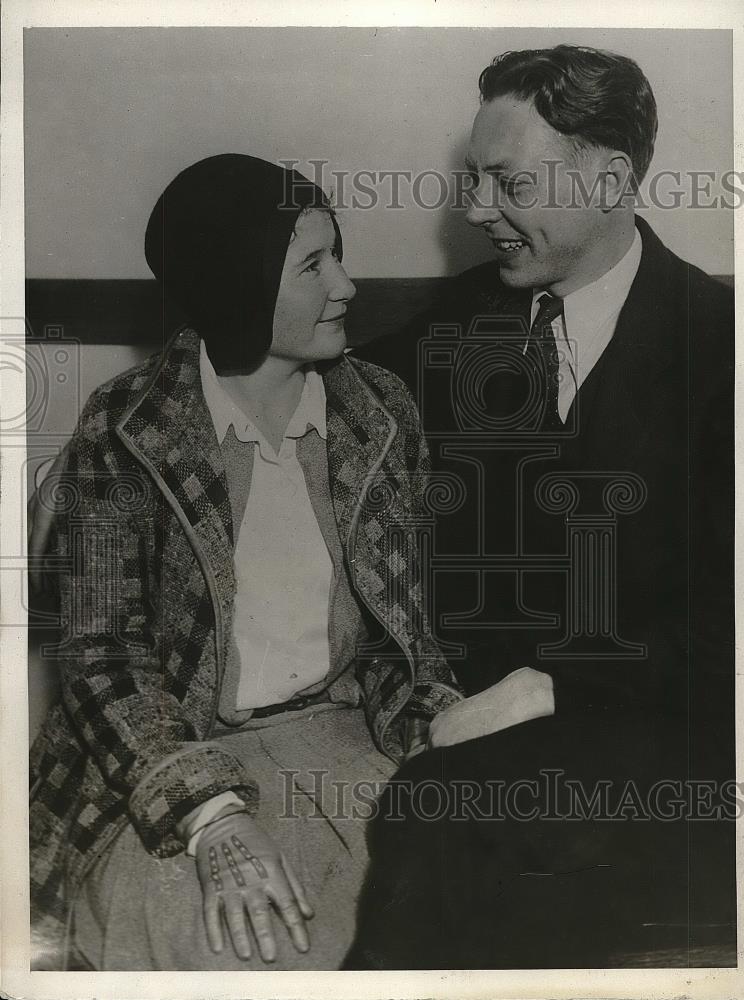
column 541, row 348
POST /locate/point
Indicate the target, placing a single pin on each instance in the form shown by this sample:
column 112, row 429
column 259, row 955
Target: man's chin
column 514, row 277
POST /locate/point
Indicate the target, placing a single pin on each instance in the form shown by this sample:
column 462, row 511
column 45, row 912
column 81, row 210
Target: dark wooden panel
column 130, row 311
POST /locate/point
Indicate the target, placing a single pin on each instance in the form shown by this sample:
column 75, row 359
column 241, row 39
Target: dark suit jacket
column 657, row 411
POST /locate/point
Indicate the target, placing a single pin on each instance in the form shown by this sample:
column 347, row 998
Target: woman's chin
column 332, row 342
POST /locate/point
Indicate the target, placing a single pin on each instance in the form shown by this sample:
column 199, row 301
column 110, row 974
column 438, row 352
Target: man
column 600, row 643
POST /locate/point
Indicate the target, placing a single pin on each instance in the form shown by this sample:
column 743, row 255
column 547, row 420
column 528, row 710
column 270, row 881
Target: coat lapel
column 169, row 429
column 360, row 432
column 629, row 385
column 372, row 500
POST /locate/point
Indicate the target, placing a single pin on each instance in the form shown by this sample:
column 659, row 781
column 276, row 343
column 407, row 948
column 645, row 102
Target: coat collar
column 168, row 427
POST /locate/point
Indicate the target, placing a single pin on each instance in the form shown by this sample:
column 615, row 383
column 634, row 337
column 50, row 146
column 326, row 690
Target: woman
column 240, row 529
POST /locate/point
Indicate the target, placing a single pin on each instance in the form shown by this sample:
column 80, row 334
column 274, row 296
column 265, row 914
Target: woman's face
column 313, row 293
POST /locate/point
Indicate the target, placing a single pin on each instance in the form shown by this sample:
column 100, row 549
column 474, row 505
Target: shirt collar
column 311, row 409
column 310, row 412
column 589, row 309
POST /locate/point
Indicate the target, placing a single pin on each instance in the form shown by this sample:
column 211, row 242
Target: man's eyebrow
column 497, row 167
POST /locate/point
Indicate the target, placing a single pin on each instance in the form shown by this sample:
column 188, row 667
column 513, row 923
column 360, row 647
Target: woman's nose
column 343, row 289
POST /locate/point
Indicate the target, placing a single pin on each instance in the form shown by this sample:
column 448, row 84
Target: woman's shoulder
column 108, row 402
column 391, row 390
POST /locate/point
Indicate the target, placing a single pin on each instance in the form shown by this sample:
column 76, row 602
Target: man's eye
column 511, row 185
column 313, row 266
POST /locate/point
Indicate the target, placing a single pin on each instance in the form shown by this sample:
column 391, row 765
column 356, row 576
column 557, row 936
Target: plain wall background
column 113, row 114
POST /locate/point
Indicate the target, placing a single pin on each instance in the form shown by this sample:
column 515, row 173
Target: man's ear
column 619, row 182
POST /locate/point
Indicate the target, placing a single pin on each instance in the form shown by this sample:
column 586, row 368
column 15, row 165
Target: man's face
column 313, row 293
column 513, row 153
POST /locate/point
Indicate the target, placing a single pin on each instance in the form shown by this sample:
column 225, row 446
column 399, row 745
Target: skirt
column 319, row 775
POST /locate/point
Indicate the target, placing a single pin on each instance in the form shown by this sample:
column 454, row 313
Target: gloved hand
column 241, row 869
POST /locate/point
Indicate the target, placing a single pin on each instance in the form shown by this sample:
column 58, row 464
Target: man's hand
column 242, row 871
column 522, row 695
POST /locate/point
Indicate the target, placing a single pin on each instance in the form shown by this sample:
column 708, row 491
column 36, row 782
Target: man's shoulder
column 703, row 309
column 682, row 317
column 702, row 286
column 477, row 289
column 684, row 284
column 709, row 294
column 482, row 278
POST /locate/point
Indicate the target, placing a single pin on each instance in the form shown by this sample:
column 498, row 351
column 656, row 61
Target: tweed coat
column 144, row 529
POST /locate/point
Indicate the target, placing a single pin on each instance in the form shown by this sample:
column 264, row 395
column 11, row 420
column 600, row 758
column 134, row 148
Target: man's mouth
column 333, row 319
column 508, row 246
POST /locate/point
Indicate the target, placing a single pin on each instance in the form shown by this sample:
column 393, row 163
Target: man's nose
column 482, row 208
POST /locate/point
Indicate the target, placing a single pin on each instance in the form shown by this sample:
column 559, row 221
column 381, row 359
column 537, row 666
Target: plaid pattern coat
column 144, row 522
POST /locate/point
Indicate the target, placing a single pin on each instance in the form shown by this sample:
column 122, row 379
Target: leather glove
column 241, row 871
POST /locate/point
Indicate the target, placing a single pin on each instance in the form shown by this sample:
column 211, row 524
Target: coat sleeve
column 114, row 686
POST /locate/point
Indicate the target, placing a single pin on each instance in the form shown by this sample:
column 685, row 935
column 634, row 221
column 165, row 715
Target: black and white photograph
column 368, row 486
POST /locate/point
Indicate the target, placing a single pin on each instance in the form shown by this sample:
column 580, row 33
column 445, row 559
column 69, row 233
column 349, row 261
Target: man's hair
column 597, row 99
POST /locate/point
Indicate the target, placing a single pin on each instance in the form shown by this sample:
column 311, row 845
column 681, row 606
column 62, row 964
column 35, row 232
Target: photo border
column 14, row 911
